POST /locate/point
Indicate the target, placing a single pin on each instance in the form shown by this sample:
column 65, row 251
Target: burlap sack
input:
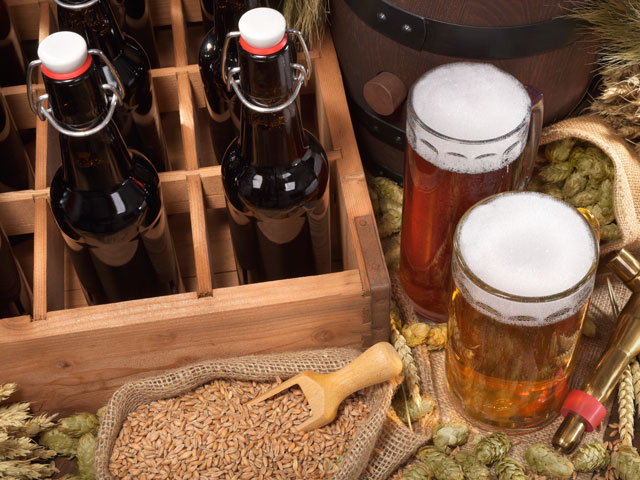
column 256, row 367
column 626, row 181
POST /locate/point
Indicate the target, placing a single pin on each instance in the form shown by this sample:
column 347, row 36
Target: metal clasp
column 47, row 113
column 302, row 77
column 75, row 6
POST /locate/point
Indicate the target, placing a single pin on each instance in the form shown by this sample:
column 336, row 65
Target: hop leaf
column 591, row 457
column 78, row 424
column 86, row 451
column 471, row 466
column 387, row 189
column 626, row 463
column 416, row 333
column 556, row 172
column 452, row 434
column 575, row 183
column 492, row 448
column 442, row 466
column 559, row 150
column 60, row 442
column 510, row 469
column 544, row 461
column 417, row 471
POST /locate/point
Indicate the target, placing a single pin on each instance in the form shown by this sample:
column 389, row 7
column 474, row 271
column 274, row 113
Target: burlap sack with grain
column 626, row 182
column 256, row 367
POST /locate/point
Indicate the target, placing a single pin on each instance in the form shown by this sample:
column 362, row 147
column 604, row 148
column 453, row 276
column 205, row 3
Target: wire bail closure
column 304, row 73
column 47, row 113
column 75, row 6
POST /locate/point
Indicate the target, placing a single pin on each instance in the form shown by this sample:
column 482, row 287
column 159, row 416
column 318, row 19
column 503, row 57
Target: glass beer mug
column 467, row 131
column 524, row 267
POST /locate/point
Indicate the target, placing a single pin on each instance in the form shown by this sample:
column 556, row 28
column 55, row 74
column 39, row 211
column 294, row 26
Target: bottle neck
column 269, row 139
column 97, row 24
column 226, row 14
column 97, row 162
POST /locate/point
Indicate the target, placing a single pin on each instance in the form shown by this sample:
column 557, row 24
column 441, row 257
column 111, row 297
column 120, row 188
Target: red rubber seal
column 68, row 75
column 585, row 406
column 264, row 51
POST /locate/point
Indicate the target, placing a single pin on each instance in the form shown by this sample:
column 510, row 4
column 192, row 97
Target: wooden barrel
column 405, row 38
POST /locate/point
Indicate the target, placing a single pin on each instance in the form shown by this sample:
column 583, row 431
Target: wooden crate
column 70, row 356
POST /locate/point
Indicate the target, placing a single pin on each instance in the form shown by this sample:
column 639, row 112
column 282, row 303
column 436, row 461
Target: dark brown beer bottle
column 223, row 110
column 12, row 60
column 206, row 7
column 16, row 170
column 105, row 198
column 15, row 293
column 138, row 119
column 138, row 24
column 275, row 175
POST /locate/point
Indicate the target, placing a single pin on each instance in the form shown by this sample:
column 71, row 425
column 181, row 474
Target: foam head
column 530, row 245
column 468, row 117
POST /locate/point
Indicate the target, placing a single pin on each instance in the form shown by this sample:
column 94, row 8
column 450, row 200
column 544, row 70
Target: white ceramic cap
column 262, row 27
column 63, row 52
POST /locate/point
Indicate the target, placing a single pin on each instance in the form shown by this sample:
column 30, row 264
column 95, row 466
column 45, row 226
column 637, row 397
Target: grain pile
column 209, row 433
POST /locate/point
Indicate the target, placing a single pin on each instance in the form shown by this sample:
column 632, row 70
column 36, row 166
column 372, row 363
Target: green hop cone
column 544, row 461
column 492, row 448
column 581, row 160
column 451, row 434
column 626, row 463
column 387, row 189
column 416, row 412
column 86, row 451
column 471, row 466
column 510, row 469
column 604, row 216
column 556, row 172
column 601, row 166
column 417, row 471
column 588, row 196
column 552, row 189
column 60, row 442
column 389, row 223
column 575, row 183
column 591, row 457
column 78, row 424
column 442, row 466
column 610, row 232
column 559, row 150
column 437, row 338
column 416, row 333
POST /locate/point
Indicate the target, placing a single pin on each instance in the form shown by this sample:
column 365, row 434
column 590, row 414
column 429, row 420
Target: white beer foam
column 485, row 107
column 529, row 245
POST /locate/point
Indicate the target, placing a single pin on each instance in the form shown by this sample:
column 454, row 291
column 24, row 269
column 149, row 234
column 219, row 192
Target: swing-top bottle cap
column 64, row 55
column 262, row 29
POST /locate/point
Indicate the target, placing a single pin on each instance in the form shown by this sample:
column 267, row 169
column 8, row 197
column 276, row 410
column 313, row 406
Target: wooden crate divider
column 72, row 359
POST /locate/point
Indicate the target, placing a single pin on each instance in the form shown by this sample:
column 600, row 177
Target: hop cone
column 510, row 469
column 416, row 412
column 626, row 463
column 452, row 434
column 544, row 461
column 386, row 188
column 442, row 466
column 86, row 450
column 78, row 424
column 437, row 337
column 471, row 466
column 417, row 471
column 559, row 151
column 493, row 447
column 575, row 183
column 62, row 443
column 556, row 172
column 416, row 333
column 591, row 457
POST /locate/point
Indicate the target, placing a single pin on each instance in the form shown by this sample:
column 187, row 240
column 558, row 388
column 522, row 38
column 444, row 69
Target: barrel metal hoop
column 377, row 126
column 464, row 41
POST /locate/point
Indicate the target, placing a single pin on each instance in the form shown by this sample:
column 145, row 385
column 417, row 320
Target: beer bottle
column 15, row 293
column 12, row 60
column 16, row 170
column 105, row 198
column 223, row 110
column 206, row 7
column 138, row 119
column 138, row 24
column 275, row 175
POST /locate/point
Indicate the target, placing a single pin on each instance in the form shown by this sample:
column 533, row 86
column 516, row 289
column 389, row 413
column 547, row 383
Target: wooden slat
column 77, row 358
column 42, row 128
column 187, row 122
column 179, row 33
column 202, row 254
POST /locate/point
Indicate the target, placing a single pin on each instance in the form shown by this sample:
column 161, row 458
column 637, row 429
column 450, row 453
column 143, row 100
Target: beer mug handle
column 535, row 128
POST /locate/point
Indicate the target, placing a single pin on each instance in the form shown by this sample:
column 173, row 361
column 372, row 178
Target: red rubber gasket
column 585, row 406
column 68, row 75
column 264, row 51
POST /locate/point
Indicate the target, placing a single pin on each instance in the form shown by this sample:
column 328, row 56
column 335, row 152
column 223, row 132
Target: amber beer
column 523, row 272
column 467, row 127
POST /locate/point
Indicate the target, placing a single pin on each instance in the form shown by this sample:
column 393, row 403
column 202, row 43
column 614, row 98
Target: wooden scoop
column 326, row 391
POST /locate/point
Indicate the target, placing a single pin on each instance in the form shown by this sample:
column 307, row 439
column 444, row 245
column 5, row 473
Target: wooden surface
column 71, row 357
